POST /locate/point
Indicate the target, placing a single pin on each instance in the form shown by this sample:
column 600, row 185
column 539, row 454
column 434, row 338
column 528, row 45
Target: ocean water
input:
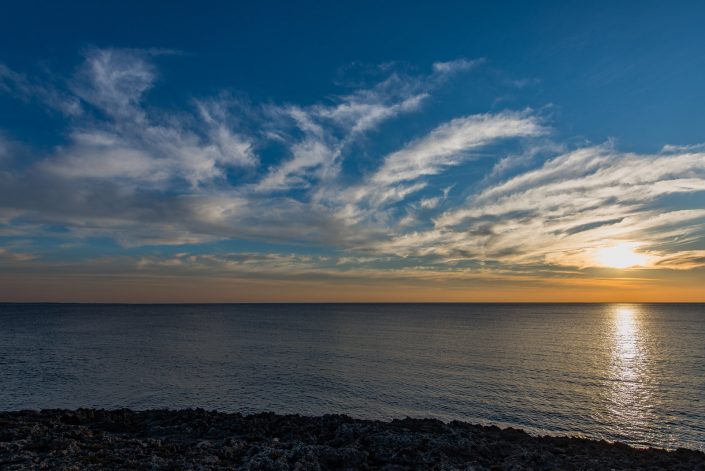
column 628, row 372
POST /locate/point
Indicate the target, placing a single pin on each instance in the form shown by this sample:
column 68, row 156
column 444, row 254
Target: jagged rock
column 197, row 439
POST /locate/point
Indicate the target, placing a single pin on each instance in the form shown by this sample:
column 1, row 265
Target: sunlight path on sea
column 631, row 402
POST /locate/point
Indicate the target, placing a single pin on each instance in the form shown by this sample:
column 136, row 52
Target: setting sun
column 621, row 255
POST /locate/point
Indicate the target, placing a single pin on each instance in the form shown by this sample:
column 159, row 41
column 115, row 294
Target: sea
column 633, row 373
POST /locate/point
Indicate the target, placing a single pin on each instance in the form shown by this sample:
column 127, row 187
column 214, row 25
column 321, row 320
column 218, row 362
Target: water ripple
column 627, row 372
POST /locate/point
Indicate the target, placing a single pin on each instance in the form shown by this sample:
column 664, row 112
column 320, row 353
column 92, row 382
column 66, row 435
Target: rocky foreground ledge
column 197, row 439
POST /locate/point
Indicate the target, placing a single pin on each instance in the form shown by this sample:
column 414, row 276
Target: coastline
column 199, row 439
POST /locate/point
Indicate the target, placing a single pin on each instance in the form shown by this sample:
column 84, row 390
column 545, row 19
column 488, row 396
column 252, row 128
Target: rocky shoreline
column 198, row 439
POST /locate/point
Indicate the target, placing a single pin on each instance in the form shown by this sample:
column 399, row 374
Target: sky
column 352, row 151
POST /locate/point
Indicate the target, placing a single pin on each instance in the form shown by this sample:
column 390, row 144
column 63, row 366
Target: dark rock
column 197, row 439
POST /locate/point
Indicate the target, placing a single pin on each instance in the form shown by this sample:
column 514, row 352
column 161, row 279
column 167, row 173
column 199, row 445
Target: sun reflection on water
column 630, row 400
column 626, row 343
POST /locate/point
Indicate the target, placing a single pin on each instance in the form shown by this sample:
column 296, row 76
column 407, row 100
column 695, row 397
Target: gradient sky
column 374, row 151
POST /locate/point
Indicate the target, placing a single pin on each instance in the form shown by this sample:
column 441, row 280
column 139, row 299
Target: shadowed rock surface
column 197, row 439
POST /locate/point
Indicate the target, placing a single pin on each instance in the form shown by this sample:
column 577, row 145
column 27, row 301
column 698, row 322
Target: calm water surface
column 629, row 372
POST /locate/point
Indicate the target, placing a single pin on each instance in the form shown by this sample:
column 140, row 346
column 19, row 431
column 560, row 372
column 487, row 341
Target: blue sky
column 272, row 151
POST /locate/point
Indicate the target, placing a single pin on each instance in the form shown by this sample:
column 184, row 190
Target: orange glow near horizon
column 678, row 287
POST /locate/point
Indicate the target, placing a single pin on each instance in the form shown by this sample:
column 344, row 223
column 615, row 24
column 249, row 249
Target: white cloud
column 405, row 172
column 151, row 154
column 670, row 148
column 114, row 80
column 430, row 203
column 27, row 88
column 450, row 143
column 147, row 176
column 456, row 65
column 565, row 211
column 310, row 158
column 329, row 129
column 139, row 147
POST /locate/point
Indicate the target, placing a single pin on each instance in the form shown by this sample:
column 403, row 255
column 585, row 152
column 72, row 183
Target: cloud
column 405, row 172
column 13, row 82
column 151, row 154
column 5, row 148
column 12, row 256
column 568, row 209
column 130, row 144
column 683, row 260
column 328, row 130
column 29, row 89
column 220, row 169
column 456, row 65
column 670, row 148
column 114, row 80
column 451, row 143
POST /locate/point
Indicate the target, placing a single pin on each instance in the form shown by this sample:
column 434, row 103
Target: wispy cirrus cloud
column 114, row 81
column 143, row 176
column 30, row 89
column 403, row 173
column 329, row 130
column 137, row 146
column 682, row 260
column 570, row 207
column 450, row 144
column 456, row 65
column 8, row 255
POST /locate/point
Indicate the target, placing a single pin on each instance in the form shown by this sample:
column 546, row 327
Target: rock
column 88, row 439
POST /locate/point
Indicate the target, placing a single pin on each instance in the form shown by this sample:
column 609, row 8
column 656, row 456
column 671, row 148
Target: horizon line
column 108, row 303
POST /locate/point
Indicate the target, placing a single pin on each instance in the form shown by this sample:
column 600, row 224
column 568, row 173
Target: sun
column 621, row 255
